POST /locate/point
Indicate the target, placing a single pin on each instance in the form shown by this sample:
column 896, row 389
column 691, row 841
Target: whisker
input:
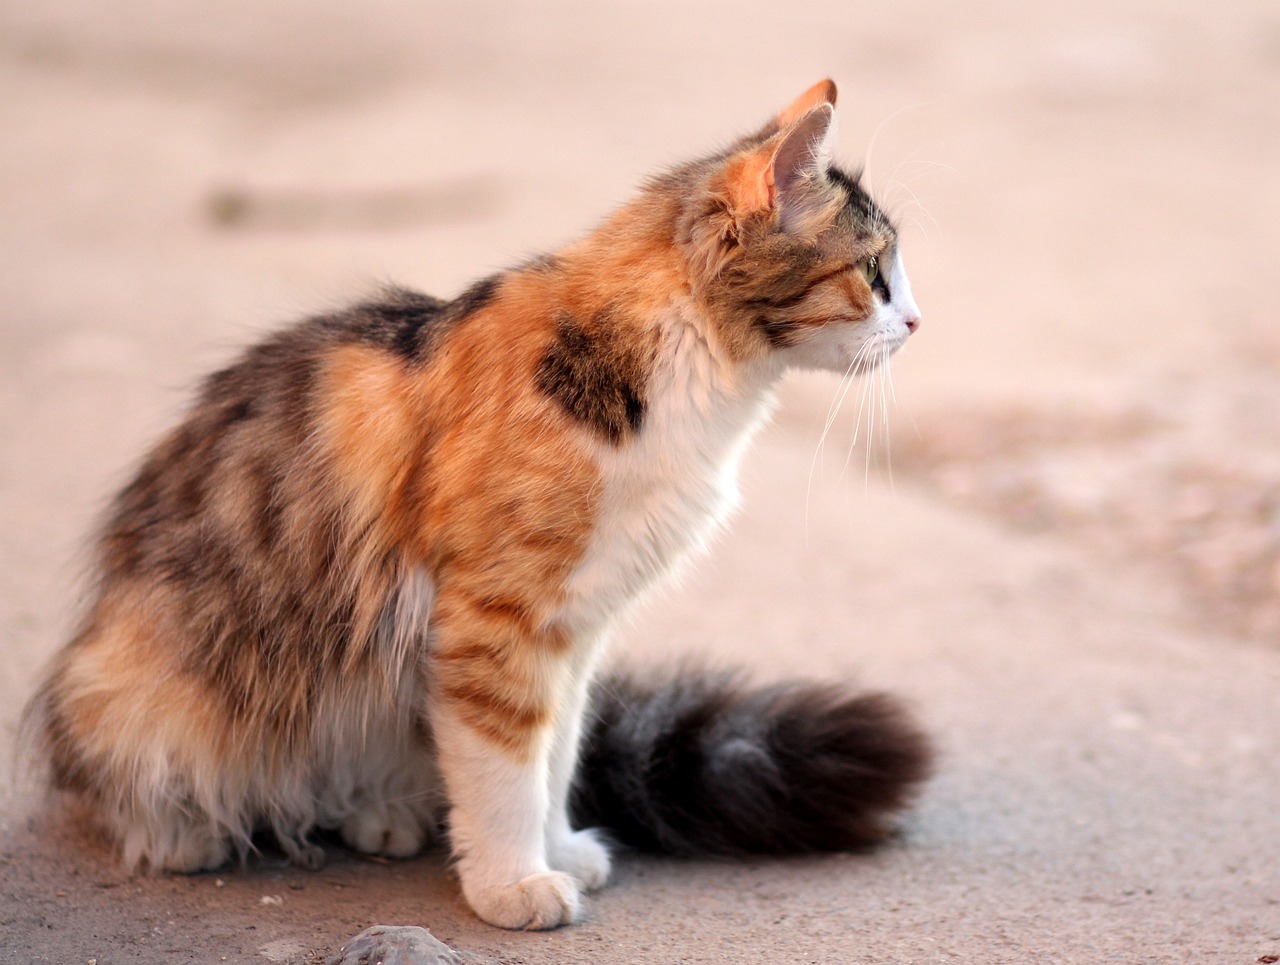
column 871, row 143
column 883, row 420
column 924, row 162
column 895, row 181
column 871, row 437
column 863, row 396
column 885, row 389
column 911, row 416
column 833, row 411
column 896, row 186
column 888, row 372
column 923, row 210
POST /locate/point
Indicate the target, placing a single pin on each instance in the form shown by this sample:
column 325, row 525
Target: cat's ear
column 803, row 154
column 779, row 174
column 823, row 92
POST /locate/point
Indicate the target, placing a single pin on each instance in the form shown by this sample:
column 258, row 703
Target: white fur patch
column 497, row 825
column 667, row 491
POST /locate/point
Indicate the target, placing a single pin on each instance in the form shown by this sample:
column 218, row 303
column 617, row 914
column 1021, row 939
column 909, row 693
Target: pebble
column 401, row 945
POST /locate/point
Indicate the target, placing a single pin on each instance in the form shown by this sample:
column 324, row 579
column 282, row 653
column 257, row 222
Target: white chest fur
column 668, row 490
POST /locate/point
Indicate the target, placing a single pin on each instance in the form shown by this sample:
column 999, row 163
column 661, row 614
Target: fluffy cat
column 365, row 583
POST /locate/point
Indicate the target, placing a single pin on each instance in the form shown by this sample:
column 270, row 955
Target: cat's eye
column 869, row 268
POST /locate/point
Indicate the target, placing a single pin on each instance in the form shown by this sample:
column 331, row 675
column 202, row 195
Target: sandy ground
column 1069, row 560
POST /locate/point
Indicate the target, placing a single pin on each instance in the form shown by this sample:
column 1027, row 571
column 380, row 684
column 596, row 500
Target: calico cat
column 365, row 583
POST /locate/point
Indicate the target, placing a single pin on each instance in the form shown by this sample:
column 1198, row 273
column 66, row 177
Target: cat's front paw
column 544, row 900
column 584, row 855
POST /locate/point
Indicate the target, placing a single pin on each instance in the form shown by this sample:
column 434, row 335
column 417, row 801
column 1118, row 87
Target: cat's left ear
column 780, row 174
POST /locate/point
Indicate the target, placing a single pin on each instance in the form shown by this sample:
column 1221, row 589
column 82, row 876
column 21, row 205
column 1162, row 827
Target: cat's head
column 790, row 254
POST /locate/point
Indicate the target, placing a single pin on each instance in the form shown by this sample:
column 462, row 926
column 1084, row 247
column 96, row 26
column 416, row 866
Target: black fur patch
column 864, row 211
column 780, row 332
column 784, row 295
column 399, row 321
column 542, row 264
column 474, row 298
column 598, row 379
column 409, row 323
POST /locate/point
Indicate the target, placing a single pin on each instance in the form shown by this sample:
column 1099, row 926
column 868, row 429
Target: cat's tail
column 698, row 764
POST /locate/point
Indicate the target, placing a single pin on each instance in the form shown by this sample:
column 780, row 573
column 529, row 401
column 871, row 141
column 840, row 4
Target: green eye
column 869, row 268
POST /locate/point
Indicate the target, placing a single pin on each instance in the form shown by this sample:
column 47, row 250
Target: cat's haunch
column 366, row 581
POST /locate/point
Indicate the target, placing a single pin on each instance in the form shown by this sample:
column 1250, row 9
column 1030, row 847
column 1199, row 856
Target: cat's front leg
column 496, row 685
column 582, row 854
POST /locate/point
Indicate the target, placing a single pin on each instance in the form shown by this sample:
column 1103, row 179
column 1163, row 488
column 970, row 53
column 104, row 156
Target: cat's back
column 250, row 437
column 311, row 469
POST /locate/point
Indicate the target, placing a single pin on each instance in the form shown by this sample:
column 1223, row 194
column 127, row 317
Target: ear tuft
column 823, row 92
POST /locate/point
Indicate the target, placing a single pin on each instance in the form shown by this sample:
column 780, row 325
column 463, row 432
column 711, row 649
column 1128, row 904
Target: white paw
column 584, row 855
column 383, row 829
column 548, row 899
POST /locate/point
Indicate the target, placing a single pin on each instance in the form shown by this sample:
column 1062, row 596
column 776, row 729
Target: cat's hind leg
column 393, row 814
column 171, row 840
column 386, row 829
column 144, row 751
column 381, row 789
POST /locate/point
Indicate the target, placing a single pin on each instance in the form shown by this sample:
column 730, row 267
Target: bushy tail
column 697, row 764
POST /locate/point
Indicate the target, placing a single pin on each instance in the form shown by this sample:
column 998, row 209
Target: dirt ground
column 1062, row 544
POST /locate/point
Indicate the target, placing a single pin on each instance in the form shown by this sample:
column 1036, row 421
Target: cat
column 365, row 584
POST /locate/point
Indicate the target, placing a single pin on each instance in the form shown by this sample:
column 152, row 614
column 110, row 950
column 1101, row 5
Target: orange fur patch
column 485, row 485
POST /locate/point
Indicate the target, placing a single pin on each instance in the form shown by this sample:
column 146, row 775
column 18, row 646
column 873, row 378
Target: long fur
column 700, row 764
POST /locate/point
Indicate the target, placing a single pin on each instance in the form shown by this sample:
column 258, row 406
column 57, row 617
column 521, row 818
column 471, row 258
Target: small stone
column 401, row 945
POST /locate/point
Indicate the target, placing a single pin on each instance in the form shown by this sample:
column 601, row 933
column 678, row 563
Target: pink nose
column 912, row 322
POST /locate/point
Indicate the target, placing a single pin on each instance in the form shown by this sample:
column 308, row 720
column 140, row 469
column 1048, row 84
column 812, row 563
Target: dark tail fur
column 696, row 764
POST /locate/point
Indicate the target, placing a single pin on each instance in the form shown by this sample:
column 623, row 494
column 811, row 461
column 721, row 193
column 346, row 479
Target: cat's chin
column 879, row 349
column 874, row 360
column 847, row 357
column 864, row 358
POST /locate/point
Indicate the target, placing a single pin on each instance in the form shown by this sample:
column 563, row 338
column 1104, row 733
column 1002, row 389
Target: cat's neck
column 632, row 268
column 703, row 399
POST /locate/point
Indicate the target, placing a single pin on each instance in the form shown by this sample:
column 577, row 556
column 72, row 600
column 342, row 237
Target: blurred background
column 1088, row 197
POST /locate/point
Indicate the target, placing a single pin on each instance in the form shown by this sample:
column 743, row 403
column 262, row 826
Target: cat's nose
column 912, row 322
